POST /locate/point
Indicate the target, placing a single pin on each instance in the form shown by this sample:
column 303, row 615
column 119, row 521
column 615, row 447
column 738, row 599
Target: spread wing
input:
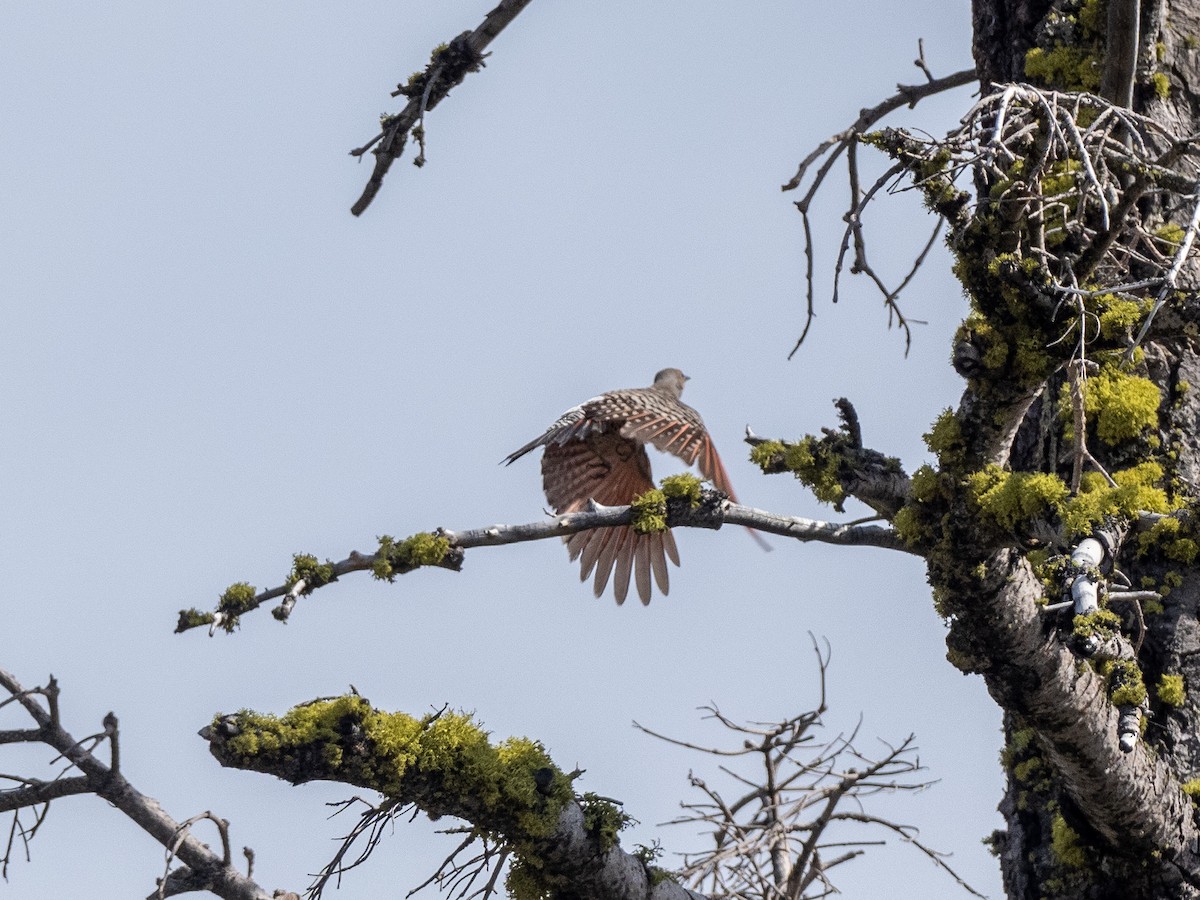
column 679, row 430
column 612, row 470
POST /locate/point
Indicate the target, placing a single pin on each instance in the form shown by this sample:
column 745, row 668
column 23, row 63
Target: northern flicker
column 597, row 451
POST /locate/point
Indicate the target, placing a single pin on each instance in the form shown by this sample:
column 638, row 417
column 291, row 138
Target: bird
column 597, row 451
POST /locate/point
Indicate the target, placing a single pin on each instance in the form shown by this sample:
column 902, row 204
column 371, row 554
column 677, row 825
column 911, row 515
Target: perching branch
column 445, row 549
column 201, row 870
column 448, row 67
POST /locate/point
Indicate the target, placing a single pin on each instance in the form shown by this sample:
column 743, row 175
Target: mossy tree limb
column 837, row 465
column 445, row 549
column 445, row 765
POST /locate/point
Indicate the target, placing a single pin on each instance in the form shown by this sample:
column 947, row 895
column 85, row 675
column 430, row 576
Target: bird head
column 670, row 380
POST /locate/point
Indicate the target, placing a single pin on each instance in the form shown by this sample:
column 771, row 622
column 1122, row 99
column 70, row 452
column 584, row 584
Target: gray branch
column 713, row 512
column 395, row 133
column 211, row 872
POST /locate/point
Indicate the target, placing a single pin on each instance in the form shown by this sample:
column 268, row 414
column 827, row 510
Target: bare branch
column 446, row 70
column 846, row 141
column 204, row 870
column 767, row 844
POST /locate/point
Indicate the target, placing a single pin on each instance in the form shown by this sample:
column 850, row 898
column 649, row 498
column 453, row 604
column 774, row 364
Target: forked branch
column 201, row 869
column 771, row 838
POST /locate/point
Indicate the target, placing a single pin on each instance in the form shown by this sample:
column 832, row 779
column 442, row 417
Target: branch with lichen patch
column 444, row 764
column 836, row 465
column 445, row 549
column 1130, row 799
column 448, row 66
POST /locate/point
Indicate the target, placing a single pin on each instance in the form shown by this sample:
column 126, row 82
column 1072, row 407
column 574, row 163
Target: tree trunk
column 1084, row 819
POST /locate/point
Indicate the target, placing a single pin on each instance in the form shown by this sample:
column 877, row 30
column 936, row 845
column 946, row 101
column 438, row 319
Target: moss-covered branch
column 445, row 764
column 836, row 465
column 678, row 505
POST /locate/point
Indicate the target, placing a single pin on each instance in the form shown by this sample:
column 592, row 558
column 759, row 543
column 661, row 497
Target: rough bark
column 1084, row 819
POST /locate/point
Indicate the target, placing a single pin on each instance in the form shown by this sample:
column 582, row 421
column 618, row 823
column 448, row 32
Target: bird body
column 597, row 451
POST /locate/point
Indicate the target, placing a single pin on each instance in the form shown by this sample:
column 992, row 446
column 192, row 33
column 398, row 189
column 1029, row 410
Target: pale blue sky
column 209, row 365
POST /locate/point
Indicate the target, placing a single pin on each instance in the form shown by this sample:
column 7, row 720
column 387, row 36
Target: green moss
column 945, row 439
column 525, row 880
column 658, row 876
column 603, row 820
column 649, row 512
column 1123, row 406
column 1153, row 607
column 1170, row 690
column 910, row 526
column 1022, row 738
column 647, row 855
column 1013, row 500
column 813, row 461
column 1192, row 788
column 396, row 558
column 1161, row 84
column 1102, row 624
column 925, row 484
column 1137, row 490
column 237, row 599
column 682, row 487
column 1170, row 234
column 1027, row 770
column 444, row 762
column 1169, row 537
column 1060, row 179
column 1065, row 844
column 1093, row 16
column 1125, row 684
column 1068, row 68
column 1070, row 57
column 816, row 469
column 306, row 568
column 1119, row 315
column 763, row 455
column 193, row 618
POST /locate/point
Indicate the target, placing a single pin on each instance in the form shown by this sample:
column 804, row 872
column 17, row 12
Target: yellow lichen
column 1137, row 491
column 1170, row 690
column 397, row 557
column 1012, row 500
column 649, row 512
column 1065, row 843
column 1122, row 406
